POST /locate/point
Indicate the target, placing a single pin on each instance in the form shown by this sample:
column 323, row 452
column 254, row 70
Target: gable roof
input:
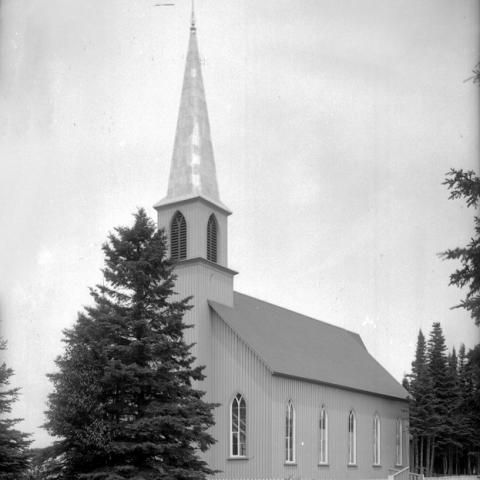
column 297, row 346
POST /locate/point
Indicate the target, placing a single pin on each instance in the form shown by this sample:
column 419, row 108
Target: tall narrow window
column 238, row 427
column 290, row 433
column 178, row 237
column 352, row 438
column 323, row 436
column 212, row 233
column 398, row 442
column 376, row 440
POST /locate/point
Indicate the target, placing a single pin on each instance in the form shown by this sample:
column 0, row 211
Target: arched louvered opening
column 238, row 427
column 212, row 234
column 178, row 237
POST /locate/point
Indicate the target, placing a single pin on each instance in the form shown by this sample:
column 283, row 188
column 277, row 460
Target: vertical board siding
column 308, row 399
column 237, row 369
column 203, row 282
column 197, row 213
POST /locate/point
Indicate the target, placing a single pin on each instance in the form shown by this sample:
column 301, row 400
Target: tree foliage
column 466, row 185
column 444, row 407
column 124, row 402
column 13, row 443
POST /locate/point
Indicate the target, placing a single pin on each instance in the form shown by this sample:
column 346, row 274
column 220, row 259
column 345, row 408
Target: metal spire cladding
column 192, row 171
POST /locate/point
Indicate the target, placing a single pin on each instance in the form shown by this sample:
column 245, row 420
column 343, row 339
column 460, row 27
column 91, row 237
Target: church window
column 398, row 442
column 238, row 427
column 178, row 237
column 290, row 434
column 212, row 234
column 323, row 436
column 376, row 439
column 352, row 438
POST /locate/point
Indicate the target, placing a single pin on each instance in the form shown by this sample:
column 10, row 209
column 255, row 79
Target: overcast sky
column 333, row 125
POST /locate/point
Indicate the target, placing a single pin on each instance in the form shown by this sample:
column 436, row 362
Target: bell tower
column 194, row 218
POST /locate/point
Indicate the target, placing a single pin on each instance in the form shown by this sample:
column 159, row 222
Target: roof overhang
column 167, row 202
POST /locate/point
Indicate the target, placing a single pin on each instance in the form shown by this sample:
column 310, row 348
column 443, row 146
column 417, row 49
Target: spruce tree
column 125, row 402
column 13, row 443
column 473, row 369
column 466, row 185
column 452, row 435
column 439, row 429
column 465, row 425
column 420, row 403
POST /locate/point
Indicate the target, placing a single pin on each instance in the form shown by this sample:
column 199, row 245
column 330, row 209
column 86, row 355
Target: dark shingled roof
column 294, row 345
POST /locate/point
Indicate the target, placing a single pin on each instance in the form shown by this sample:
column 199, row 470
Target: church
column 299, row 398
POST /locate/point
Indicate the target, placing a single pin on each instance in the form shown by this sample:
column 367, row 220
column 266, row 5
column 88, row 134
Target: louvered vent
column 212, row 230
column 178, row 237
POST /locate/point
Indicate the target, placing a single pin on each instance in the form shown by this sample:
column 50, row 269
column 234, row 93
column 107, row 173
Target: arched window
column 178, row 237
column 398, row 442
column 290, row 433
column 238, row 427
column 376, row 439
column 212, row 233
column 352, row 438
column 323, row 457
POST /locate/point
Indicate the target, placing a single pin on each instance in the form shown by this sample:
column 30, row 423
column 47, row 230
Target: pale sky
column 333, row 124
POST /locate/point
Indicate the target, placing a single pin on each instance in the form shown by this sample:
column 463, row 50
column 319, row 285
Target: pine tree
column 124, row 402
column 13, row 443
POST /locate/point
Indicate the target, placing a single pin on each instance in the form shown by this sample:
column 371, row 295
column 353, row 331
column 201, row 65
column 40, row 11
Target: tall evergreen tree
column 440, row 392
column 465, row 425
column 419, row 388
column 124, row 402
column 473, row 369
column 13, row 443
column 452, row 435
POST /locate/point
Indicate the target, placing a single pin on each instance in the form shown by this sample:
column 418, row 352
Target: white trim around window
column 323, row 446
column 238, row 427
column 290, row 433
column 398, row 442
column 352, row 438
column 376, row 440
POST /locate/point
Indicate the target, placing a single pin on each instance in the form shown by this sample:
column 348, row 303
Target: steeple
column 192, row 170
column 192, row 214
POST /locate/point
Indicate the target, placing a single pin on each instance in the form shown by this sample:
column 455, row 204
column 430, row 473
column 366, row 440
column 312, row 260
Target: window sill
column 353, row 465
column 376, row 465
column 290, row 464
column 323, row 464
column 399, row 465
column 237, row 458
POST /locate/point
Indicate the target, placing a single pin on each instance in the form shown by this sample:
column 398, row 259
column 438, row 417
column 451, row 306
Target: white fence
column 455, row 477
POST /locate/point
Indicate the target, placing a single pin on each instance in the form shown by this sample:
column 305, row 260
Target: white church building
column 299, row 398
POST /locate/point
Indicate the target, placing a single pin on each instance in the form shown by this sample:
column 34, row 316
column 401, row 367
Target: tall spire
column 192, row 171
